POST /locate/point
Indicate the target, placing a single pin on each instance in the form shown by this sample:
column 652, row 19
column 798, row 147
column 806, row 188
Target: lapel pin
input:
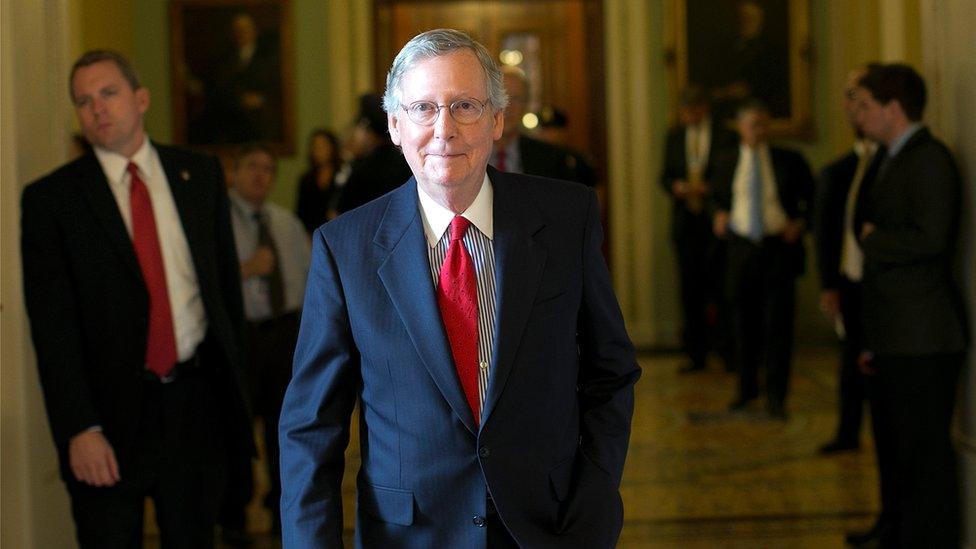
column 185, row 175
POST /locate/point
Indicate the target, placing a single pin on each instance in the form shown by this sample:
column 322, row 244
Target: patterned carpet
column 698, row 476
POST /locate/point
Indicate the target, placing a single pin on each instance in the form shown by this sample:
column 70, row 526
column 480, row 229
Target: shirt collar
column 115, row 165
column 705, row 124
column 244, row 206
column 762, row 149
column 900, row 141
column 864, row 146
column 437, row 218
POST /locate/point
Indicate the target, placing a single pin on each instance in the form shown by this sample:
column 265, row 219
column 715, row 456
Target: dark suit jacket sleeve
column 722, row 174
column 674, row 159
column 316, row 411
column 828, row 218
column 802, row 178
column 54, row 316
column 228, row 263
column 925, row 234
column 608, row 369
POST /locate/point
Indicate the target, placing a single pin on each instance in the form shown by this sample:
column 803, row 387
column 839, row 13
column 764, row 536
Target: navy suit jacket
column 556, row 418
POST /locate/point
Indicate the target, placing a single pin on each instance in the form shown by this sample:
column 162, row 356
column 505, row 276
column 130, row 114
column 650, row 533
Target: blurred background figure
column 690, row 154
column 841, row 264
column 317, row 190
column 275, row 252
column 914, row 320
column 762, row 194
column 377, row 167
column 518, row 153
column 552, row 126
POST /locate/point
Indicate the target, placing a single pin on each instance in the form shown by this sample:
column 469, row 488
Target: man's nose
column 98, row 105
column 445, row 127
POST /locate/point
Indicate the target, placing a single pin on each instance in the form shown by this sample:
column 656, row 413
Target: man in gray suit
column 913, row 317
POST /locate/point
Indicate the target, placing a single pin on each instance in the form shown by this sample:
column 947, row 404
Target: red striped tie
column 457, row 297
column 161, row 341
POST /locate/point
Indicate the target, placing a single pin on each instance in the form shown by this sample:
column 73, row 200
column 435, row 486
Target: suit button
column 484, row 452
column 479, row 521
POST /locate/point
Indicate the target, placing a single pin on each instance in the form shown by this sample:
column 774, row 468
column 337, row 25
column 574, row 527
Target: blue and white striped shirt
column 478, row 241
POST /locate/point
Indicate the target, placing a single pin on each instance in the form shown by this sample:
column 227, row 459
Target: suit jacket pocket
column 561, row 478
column 387, row 504
column 550, row 306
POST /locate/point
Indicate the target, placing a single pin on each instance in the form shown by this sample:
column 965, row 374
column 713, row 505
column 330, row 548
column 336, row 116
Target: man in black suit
column 761, row 200
column 133, row 292
column 689, row 157
column 518, row 153
column 841, row 261
column 378, row 167
column 913, row 315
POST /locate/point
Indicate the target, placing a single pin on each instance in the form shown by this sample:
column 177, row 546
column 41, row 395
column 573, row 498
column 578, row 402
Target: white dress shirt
column 186, row 303
column 294, row 254
column 478, row 242
column 774, row 217
column 698, row 140
column 851, row 255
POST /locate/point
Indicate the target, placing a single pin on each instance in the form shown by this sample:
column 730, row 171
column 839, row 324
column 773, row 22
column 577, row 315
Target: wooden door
column 559, row 42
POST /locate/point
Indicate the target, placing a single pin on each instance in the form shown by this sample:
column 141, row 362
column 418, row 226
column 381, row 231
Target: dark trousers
column 916, row 399
column 269, row 348
column 852, row 387
column 700, row 266
column 177, row 460
column 761, row 286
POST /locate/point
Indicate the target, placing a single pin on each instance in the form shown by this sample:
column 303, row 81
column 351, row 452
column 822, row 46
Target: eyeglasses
column 463, row 111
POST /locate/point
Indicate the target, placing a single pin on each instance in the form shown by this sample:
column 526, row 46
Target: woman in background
column 317, row 191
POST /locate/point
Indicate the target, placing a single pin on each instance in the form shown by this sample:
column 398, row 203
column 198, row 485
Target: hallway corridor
column 698, row 476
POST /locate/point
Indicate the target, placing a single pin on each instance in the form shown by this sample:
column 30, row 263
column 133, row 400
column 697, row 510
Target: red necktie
column 161, row 341
column 457, row 297
column 500, row 160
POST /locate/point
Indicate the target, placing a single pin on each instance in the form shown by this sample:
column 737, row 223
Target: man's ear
column 393, row 123
column 499, row 125
column 142, row 95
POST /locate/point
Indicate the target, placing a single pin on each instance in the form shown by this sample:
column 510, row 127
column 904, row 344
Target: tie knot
column 459, row 225
column 133, row 169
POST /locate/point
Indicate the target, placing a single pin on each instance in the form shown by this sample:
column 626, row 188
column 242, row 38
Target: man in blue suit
column 472, row 315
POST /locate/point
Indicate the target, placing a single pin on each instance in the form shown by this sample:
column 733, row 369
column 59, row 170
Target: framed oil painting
column 740, row 49
column 232, row 73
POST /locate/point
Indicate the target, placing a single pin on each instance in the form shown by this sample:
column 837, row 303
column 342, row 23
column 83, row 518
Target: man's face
column 753, row 126
column 692, row 115
column 254, row 176
column 517, row 101
column 850, row 98
column 446, row 155
column 109, row 111
column 243, row 30
column 873, row 118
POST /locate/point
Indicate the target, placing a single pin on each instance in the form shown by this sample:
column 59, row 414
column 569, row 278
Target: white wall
column 34, row 64
column 949, row 67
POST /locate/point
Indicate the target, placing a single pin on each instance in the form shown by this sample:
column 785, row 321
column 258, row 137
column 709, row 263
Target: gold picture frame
column 232, row 64
column 744, row 48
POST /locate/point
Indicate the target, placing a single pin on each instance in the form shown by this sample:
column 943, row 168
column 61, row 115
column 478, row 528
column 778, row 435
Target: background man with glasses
column 471, row 313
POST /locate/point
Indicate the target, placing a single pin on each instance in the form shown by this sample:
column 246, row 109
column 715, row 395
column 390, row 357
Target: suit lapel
column 95, row 187
column 187, row 197
column 519, row 263
column 406, row 276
